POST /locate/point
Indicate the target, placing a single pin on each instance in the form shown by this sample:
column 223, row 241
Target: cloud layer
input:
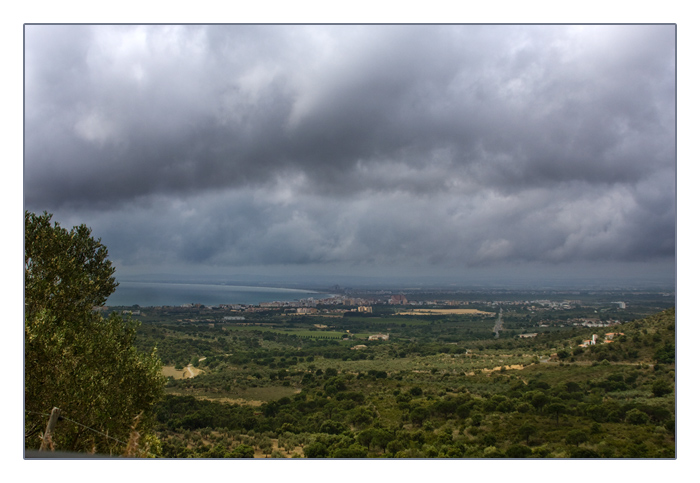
column 365, row 146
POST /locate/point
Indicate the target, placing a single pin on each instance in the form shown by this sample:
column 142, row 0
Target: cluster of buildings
column 378, row 337
column 581, row 322
column 609, row 337
column 527, row 336
column 398, row 300
column 401, row 299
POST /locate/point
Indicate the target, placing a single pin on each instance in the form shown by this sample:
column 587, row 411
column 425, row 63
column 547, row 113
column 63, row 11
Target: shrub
column 666, row 354
column 635, row 416
column 661, row 387
column 316, row 450
column 576, row 436
column 518, row 451
column 416, row 391
column 241, row 451
column 492, row 452
column 584, row 453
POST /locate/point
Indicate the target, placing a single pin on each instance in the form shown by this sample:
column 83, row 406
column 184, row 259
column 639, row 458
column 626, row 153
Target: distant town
column 544, row 310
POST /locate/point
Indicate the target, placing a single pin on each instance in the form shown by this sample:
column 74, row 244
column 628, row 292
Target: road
column 499, row 323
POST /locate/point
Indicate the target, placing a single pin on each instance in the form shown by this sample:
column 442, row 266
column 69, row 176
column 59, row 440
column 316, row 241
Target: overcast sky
column 462, row 151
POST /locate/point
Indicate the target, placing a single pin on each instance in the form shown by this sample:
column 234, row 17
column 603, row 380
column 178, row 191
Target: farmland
column 445, row 312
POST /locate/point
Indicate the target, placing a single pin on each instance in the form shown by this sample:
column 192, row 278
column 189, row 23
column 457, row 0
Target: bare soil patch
column 186, row 373
column 498, row 368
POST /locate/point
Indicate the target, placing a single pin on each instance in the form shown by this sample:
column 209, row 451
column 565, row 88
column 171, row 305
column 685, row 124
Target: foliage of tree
column 576, row 437
column 584, row 453
column 527, row 430
column 241, row 451
column 75, row 359
column 635, row 416
column 65, row 272
column 661, row 387
column 518, row 451
column 316, row 450
column 666, row 354
column 556, row 408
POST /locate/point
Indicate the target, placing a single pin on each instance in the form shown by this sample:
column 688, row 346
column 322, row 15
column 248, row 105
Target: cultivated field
column 444, row 312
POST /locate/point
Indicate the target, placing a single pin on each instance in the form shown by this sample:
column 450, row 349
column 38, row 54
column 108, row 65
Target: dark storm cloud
column 434, row 145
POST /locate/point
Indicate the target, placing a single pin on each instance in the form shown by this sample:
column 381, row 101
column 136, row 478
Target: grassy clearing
column 388, row 321
column 249, row 396
column 314, row 334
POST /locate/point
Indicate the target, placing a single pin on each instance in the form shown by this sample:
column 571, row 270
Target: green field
column 309, row 333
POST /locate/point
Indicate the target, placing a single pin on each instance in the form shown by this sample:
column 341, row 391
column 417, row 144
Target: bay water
column 152, row 294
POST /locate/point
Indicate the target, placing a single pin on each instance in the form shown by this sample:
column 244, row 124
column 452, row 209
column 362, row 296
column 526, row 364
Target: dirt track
column 187, row 373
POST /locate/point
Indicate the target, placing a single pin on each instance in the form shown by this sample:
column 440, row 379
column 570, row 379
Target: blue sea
column 152, row 294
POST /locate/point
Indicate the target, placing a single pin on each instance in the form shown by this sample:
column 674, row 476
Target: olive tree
column 74, row 358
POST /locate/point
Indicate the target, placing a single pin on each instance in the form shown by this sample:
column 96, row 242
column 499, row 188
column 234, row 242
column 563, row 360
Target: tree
column 418, row 415
column 352, row 451
column 75, row 359
column 538, row 399
column 445, row 406
column 241, row 451
column 635, row 416
column 556, row 407
column 584, row 453
column 332, row 427
column 527, row 430
column 65, row 272
column 661, row 387
column 361, row 416
column 666, row 354
column 394, row 446
column 518, row 451
column 382, row 438
column 576, row 436
column 416, row 391
column 316, row 450
column 265, row 445
column 365, row 437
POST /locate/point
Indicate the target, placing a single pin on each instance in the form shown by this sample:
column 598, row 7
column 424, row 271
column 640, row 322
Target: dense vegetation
column 440, row 387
